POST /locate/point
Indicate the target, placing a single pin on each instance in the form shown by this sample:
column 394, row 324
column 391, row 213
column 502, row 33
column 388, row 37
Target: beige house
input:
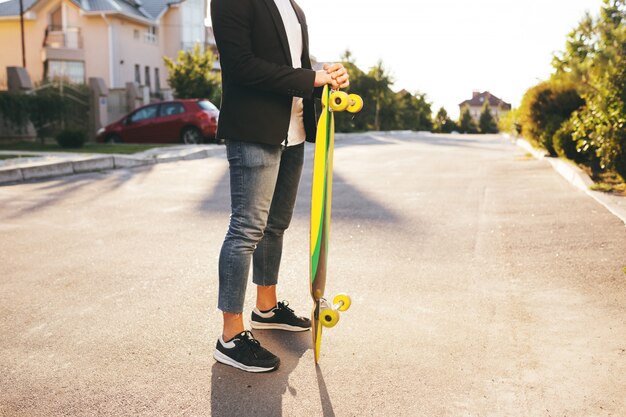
column 499, row 107
column 119, row 41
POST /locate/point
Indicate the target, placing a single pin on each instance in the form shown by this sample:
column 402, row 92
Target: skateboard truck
column 328, row 314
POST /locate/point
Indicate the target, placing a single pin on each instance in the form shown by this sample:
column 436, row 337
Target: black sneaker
column 280, row 317
column 245, row 352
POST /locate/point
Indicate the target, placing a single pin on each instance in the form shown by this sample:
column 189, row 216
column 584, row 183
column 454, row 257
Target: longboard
column 325, row 314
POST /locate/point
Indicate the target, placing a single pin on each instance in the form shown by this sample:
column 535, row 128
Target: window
column 72, row 71
column 147, row 79
column 136, row 34
column 145, row 113
column 137, row 74
column 157, row 80
column 171, row 109
column 151, row 35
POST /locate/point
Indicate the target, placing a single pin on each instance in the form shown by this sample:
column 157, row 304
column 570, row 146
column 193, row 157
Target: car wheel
column 191, row 136
column 113, row 139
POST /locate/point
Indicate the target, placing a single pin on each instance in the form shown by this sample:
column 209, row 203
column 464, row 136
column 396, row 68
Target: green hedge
column 544, row 108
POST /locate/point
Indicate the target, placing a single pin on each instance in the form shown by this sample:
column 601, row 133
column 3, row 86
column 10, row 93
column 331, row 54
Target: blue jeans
column 264, row 183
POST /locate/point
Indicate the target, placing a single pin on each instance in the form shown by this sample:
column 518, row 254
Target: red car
column 188, row 121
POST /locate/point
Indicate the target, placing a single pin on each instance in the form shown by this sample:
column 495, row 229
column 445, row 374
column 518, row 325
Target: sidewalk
column 579, row 179
column 39, row 165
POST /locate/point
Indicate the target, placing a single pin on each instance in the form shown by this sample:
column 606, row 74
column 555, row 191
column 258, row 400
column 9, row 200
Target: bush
column 71, row 138
column 14, row 109
column 543, row 110
column 564, row 143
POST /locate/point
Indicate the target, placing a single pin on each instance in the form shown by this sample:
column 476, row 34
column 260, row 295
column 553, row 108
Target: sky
column 448, row 48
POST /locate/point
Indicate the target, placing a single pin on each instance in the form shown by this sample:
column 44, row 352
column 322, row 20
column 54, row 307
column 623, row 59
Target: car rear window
column 207, row 105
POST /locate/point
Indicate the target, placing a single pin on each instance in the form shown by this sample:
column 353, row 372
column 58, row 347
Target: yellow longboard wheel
column 343, row 301
column 356, row 103
column 339, row 101
column 329, row 318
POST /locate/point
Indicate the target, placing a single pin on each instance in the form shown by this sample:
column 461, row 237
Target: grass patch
column 124, row 148
column 609, row 182
column 10, row 156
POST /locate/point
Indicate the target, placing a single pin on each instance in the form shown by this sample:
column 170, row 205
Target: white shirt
column 296, row 134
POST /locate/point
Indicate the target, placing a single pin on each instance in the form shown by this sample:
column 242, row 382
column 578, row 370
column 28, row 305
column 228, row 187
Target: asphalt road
column 483, row 284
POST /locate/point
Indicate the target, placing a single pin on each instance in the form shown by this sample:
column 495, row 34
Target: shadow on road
column 349, row 203
column 327, row 405
column 51, row 192
column 235, row 393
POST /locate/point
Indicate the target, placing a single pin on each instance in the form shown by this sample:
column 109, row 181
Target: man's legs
column 267, row 256
column 253, row 173
column 270, row 314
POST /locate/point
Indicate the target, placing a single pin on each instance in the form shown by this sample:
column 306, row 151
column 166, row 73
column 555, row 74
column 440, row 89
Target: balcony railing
column 58, row 37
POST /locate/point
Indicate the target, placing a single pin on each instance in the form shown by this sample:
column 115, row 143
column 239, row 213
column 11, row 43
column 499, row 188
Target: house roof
column 12, row 7
column 143, row 9
column 478, row 100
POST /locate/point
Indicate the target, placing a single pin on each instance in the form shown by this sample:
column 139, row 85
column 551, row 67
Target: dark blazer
column 258, row 80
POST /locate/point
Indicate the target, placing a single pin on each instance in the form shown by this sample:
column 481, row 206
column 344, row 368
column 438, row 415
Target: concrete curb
column 98, row 162
column 579, row 179
column 48, row 170
column 93, row 164
column 122, row 161
column 11, row 176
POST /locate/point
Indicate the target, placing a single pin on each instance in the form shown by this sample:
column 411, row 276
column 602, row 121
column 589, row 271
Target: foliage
column 486, row 122
column 377, row 85
column 443, row 123
column 47, row 109
column 192, row 75
column 71, row 138
column 466, row 123
column 412, row 112
column 51, row 108
column 510, row 123
column 14, row 109
column 567, row 146
column 595, row 60
column 383, row 109
column 544, row 108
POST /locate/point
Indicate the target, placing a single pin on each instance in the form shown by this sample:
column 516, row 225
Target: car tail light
column 208, row 116
column 202, row 115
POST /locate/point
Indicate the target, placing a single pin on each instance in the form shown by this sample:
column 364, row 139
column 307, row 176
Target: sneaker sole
column 220, row 357
column 277, row 326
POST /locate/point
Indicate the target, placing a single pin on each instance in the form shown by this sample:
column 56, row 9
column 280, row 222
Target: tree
column 466, row 121
column 486, row 122
column 380, row 81
column 595, row 59
column 192, row 75
column 443, row 123
column 413, row 112
column 383, row 109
